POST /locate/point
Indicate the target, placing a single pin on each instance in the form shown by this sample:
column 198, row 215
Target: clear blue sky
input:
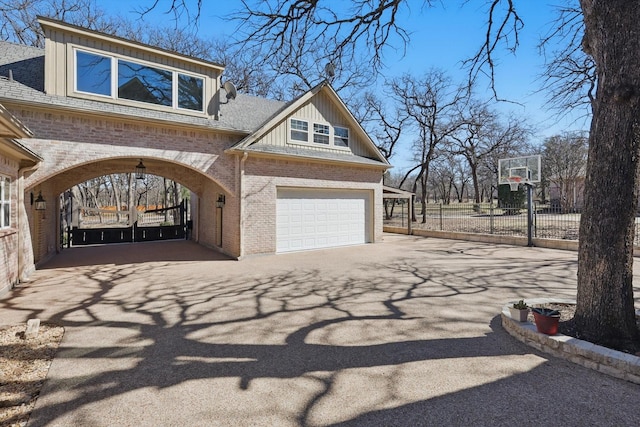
column 440, row 37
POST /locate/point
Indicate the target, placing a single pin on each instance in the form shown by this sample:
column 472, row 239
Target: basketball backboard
column 527, row 168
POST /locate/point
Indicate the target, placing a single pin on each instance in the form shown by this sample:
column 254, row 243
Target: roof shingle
column 244, row 114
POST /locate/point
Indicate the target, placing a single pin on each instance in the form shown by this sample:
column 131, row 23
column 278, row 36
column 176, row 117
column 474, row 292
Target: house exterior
column 566, row 194
column 15, row 162
column 266, row 176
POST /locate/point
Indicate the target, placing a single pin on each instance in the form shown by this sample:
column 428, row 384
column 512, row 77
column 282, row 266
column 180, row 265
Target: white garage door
column 314, row 219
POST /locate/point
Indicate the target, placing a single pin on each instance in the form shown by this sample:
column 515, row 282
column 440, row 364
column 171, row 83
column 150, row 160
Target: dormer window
column 124, row 79
column 143, row 83
column 93, row 73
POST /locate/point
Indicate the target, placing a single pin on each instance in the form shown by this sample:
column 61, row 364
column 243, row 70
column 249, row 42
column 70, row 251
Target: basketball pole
column 529, row 214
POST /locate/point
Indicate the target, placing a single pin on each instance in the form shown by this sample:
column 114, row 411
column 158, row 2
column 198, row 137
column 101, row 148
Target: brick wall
column 263, row 177
column 9, row 273
column 77, row 147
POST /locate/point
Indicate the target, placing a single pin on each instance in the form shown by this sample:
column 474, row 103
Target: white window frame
column 5, row 201
column 114, row 81
column 312, row 132
column 322, row 131
column 298, row 130
column 341, row 138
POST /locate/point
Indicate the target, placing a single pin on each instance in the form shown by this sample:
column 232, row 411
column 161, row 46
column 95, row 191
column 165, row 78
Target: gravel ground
column 24, row 363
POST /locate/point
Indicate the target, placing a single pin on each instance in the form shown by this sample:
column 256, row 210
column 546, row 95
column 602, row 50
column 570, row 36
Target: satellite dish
column 330, row 70
column 231, row 90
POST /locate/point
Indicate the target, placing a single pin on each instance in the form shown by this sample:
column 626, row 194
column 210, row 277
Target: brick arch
column 193, row 179
column 65, row 160
column 52, row 179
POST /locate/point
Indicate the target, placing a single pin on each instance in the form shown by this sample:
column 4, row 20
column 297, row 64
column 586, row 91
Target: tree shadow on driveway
column 411, row 341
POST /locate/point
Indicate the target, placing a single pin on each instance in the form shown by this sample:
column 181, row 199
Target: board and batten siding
column 320, row 109
column 59, row 61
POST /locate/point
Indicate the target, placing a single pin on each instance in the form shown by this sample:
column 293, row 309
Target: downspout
column 240, row 203
column 19, row 217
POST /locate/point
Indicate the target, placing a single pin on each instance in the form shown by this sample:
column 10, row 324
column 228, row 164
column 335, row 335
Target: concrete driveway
column 402, row 333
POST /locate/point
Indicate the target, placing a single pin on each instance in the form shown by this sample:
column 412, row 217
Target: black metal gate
column 148, row 226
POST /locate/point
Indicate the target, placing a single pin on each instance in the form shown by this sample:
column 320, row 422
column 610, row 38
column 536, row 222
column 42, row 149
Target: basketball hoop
column 514, row 182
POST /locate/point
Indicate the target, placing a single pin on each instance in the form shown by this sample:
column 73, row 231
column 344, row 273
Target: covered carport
column 391, row 195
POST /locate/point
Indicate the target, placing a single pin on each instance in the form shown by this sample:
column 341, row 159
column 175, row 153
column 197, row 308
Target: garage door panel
column 311, row 219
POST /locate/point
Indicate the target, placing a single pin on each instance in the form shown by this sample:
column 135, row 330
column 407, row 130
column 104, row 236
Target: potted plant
column 546, row 320
column 519, row 311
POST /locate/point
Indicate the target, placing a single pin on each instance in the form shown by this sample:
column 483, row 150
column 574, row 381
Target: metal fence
column 488, row 218
column 91, row 217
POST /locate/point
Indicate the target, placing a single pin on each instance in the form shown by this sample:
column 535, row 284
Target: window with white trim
column 299, row 130
column 5, row 202
column 119, row 78
column 340, row 136
column 322, row 134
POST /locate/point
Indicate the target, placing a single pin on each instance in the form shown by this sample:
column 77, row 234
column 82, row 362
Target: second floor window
column 118, row 78
column 323, row 134
column 320, row 133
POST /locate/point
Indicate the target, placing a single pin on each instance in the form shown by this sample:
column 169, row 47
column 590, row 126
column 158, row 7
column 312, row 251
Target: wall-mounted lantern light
column 220, row 201
column 40, row 203
column 141, row 171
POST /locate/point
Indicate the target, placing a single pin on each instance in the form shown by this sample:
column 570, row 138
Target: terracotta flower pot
column 546, row 324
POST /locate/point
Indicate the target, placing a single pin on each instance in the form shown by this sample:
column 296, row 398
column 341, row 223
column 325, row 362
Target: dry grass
column 24, row 364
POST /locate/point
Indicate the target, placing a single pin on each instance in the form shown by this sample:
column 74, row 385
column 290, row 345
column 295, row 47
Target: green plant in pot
column 519, row 311
column 546, row 319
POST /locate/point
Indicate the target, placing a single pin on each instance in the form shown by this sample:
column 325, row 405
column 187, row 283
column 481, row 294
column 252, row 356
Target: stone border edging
column 611, row 362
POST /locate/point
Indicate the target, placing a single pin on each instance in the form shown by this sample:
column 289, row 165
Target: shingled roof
column 22, row 80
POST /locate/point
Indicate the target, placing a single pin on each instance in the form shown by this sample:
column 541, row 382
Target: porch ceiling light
column 40, row 203
column 141, row 171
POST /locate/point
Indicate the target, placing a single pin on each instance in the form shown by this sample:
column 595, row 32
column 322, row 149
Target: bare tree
column 481, row 133
column 240, row 69
column 430, row 103
column 564, row 163
column 443, row 178
column 462, row 178
column 344, row 35
column 605, row 307
column 569, row 76
column 19, row 22
column 384, row 125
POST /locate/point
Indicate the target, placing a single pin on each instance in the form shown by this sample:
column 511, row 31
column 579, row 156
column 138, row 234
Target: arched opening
column 124, row 208
column 105, row 202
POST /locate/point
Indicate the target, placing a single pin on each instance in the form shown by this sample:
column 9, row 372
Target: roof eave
column 304, row 158
column 121, row 116
column 11, row 127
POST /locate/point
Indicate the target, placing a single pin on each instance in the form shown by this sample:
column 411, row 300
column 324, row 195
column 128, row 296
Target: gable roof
column 248, row 144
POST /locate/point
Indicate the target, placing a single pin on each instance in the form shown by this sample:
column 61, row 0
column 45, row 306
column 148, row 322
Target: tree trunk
column 474, row 178
column 605, row 305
